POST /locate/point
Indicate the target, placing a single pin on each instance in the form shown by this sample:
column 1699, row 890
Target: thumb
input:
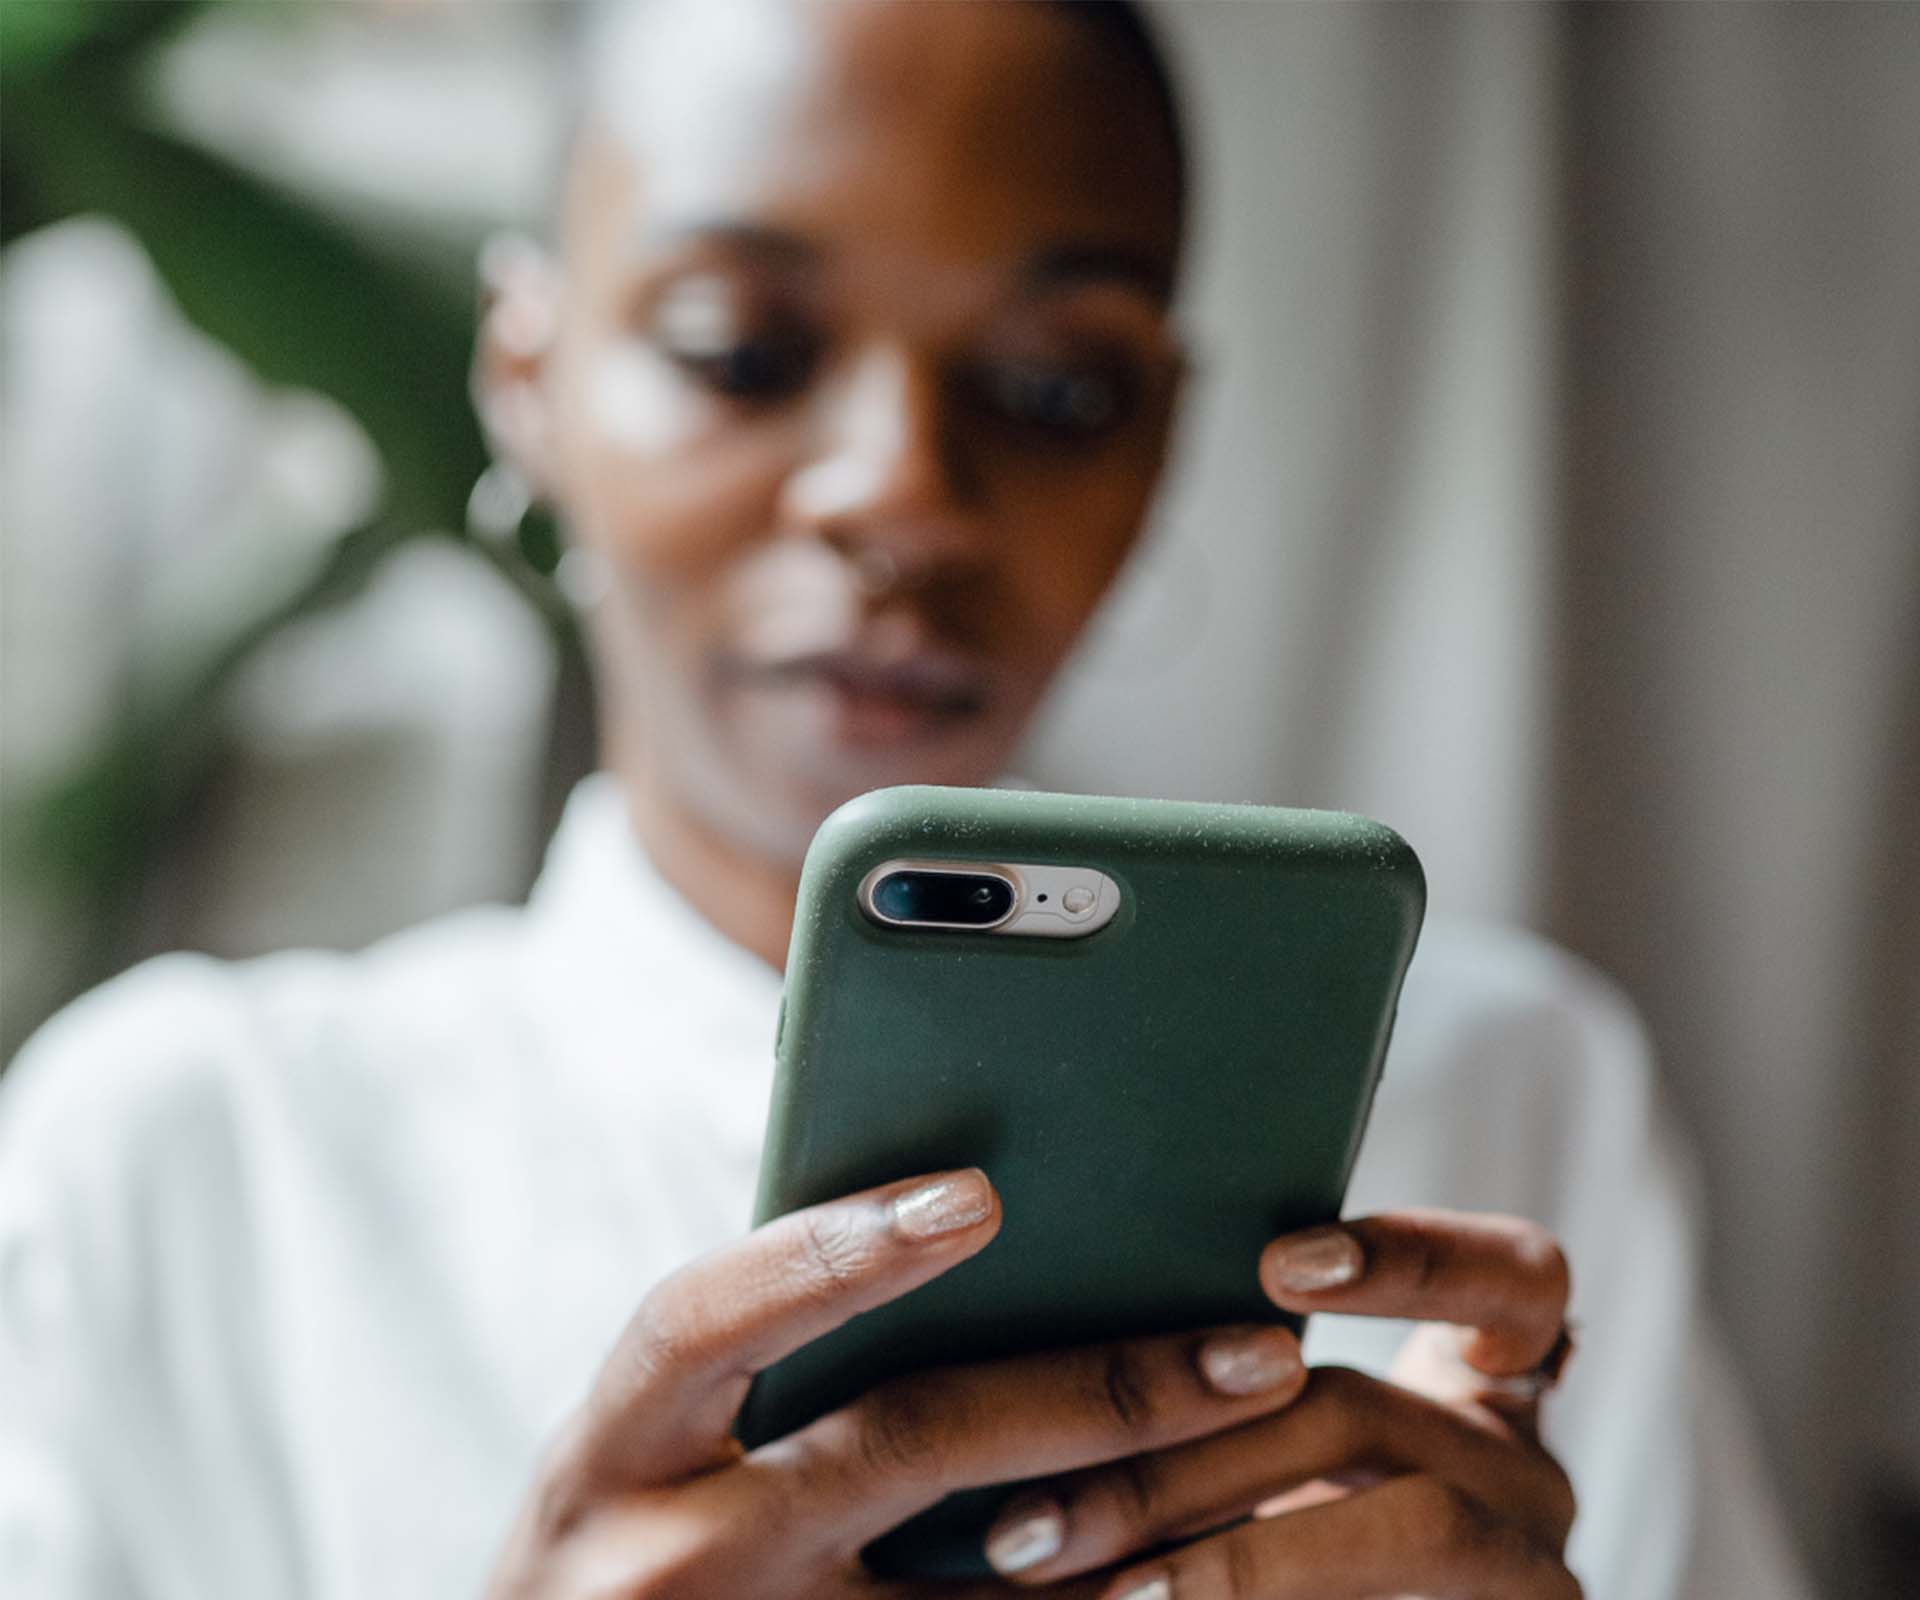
column 665, row 1401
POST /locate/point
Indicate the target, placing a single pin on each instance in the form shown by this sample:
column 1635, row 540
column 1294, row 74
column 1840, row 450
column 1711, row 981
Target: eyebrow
column 1067, row 265
column 1060, row 266
column 774, row 246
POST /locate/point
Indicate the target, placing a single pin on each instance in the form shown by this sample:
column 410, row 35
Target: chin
column 780, row 804
column 766, row 765
column 815, row 794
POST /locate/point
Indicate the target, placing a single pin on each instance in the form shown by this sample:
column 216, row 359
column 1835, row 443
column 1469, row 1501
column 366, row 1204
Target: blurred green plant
column 302, row 299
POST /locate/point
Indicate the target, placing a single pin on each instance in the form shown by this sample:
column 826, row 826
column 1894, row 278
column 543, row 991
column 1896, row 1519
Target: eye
column 773, row 366
column 703, row 329
column 1069, row 400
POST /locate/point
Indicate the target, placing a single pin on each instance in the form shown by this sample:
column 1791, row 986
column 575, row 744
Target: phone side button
column 780, row 1026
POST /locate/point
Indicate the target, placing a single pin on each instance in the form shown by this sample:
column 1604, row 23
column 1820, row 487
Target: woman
column 852, row 377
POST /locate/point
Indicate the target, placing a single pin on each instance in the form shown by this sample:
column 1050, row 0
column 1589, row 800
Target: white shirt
column 302, row 1259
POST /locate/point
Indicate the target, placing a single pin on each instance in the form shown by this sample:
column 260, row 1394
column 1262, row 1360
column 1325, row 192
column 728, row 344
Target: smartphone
column 1156, row 1025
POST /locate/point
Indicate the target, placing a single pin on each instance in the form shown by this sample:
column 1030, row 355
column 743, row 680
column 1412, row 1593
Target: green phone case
column 1154, row 1102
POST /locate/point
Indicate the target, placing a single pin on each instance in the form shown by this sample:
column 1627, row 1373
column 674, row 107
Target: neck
column 748, row 899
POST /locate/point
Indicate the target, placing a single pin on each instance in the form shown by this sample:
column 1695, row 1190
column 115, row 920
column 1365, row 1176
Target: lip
column 873, row 700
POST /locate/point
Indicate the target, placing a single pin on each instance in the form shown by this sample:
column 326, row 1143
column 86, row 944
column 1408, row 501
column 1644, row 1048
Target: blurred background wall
column 1552, row 489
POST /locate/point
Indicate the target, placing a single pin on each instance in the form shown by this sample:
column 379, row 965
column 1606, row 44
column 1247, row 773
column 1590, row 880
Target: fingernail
column 1025, row 1538
column 1323, row 1258
column 1159, row 1587
column 944, row 1206
column 1250, row 1362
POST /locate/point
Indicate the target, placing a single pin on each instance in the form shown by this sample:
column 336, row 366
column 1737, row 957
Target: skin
column 854, row 373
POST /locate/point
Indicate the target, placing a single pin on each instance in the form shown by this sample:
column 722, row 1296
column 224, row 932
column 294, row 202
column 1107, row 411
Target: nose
column 886, row 484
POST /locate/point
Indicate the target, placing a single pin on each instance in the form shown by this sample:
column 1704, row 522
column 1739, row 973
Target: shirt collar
column 621, row 929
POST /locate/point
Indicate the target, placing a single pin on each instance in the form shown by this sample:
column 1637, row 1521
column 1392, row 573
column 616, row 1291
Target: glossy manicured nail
column 944, row 1206
column 1323, row 1258
column 1026, row 1536
column 1249, row 1361
column 1158, row 1587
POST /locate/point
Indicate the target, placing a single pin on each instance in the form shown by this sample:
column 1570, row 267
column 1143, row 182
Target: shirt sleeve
column 134, row 1461
column 1526, row 1086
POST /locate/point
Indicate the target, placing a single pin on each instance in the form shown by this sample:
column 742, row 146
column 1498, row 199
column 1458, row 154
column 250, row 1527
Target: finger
column 1504, row 1277
column 1415, row 1535
column 908, row 1443
column 1432, row 1362
column 666, row 1398
column 1345, row 1425
column 732, row 1534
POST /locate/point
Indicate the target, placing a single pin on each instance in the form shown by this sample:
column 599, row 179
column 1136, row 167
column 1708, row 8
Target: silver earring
column 583, row 577
column 497, row 510
column 497, row 504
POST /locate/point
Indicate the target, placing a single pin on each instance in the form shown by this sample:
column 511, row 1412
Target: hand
column 1433, row 1484
column 647, row 1492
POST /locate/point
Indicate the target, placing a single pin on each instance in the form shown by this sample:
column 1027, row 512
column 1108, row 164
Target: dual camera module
column 1046, row 900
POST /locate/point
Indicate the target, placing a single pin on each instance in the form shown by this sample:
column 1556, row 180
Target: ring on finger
column 1542, row 1377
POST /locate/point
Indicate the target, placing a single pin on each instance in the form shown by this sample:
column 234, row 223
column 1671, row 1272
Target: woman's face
column 856, row 376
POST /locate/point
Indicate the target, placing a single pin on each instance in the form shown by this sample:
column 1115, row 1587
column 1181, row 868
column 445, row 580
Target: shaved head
column 649, row 68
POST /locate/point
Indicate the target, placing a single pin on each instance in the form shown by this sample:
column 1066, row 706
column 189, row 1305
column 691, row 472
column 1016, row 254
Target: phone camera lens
column 916, row 898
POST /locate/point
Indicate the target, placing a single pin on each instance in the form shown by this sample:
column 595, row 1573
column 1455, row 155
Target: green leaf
column 294, row 294
column 37, row 35
column 305, row 302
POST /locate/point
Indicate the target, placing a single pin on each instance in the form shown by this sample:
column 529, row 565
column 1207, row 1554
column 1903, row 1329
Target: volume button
column 780, row 1027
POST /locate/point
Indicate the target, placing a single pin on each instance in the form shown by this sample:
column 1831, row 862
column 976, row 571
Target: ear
column 519, row 318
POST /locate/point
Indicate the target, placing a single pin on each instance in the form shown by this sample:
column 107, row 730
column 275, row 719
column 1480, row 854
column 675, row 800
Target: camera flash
column 1077, row 899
